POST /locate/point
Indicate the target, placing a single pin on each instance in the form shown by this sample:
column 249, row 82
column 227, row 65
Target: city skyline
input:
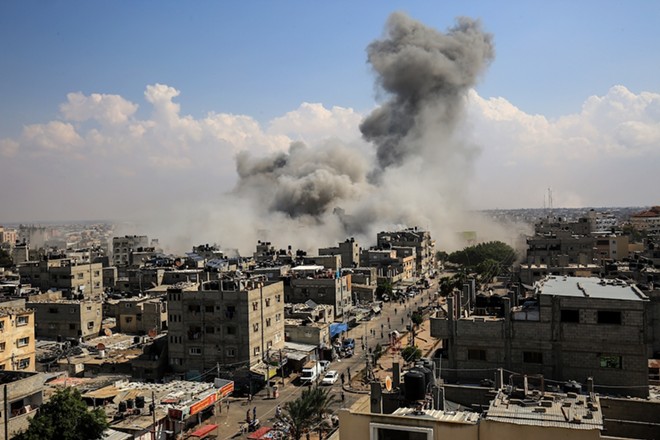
column 129, row 109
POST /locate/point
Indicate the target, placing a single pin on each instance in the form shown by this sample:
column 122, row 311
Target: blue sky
column 265, row 57
column 260, row 61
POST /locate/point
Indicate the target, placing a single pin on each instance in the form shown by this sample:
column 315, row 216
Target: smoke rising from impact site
column 314, row 195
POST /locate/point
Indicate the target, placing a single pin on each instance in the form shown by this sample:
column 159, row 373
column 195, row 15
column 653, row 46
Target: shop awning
column 337, row 327
column 204, row 431
column 256, row 435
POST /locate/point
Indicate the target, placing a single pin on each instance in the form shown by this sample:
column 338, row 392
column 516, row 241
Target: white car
column 330, row 377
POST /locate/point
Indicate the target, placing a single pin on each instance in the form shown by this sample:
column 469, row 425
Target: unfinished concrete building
column 412, row 237
column 59, row 318
column 321, row 285
column 574, row 328
column 234, row 322
column 349, row 251
column 64, row 274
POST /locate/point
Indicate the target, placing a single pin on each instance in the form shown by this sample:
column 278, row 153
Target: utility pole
column 153, row 413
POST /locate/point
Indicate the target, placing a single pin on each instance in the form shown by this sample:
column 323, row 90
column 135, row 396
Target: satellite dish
column 100, row 346
column 388, row 383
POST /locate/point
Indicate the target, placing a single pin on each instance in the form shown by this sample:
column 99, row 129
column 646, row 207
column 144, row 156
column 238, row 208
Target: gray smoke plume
column 422, row 68
column 319, row 194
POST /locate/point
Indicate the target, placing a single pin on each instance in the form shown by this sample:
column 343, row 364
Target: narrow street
column 373, row 332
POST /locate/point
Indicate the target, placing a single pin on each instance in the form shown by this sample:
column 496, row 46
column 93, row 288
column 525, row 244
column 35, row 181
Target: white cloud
column 54, row 136
column 106, row 109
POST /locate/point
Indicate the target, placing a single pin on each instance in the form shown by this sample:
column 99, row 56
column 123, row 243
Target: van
column 310, row 372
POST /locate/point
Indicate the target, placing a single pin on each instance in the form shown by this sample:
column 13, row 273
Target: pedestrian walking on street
column 278, row 411
column 343, row 378
column 247, row 416
column 402, row 320
column 343, row 397
column 394, row 312
column 254, row 413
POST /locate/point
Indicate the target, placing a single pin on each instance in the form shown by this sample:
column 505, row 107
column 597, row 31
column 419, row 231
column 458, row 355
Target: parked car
column 349, row 343
column 330, row 377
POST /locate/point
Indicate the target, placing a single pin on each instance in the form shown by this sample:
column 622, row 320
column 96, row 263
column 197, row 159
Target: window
column 208, row 309
column 72, row 326
column 611, row 362
column 278, row 317
column 128, row 319
column 53, row 310
column 23, row 342
column 22, row 320
column 278, row 298
column 269, row 344
column 255, row 327
column 196, row 351
column 230, row 352
column 97, row 273
column 255, row 305
column 609, row 317
column 532, row 357
column 23, row 363
column 90, row 325
column 267, row 302
column 278, row 337
column 570, row 315
column 476, row 354
column 256, row 351
column 231, row 311
column 89, row 308
column 398, row 432
column 2, row 346
column 267, row 322
column 72, row 310
column 194, row 309
column 231, row 330
column 128, row 305
column 210, row 330
column 176, row 361
column 80, row 276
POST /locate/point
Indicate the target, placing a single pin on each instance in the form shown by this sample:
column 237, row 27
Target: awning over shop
column 204, row 431
column 259, row 433
column 337, row 327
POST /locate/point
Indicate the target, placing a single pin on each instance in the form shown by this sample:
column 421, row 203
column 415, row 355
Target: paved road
column 229, row 421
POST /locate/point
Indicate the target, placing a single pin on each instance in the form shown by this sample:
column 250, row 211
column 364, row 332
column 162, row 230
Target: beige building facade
column 17, row 343
column 62, row 318
column 64, row 274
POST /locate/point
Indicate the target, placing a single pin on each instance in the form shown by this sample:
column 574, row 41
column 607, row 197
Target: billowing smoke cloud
column 420, row 170
column 423, row 70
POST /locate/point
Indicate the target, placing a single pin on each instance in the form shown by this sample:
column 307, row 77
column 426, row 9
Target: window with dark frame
column 570, row 315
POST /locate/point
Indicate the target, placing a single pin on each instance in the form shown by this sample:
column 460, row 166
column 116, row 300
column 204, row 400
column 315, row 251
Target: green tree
column 411, row 353
column 384, row 288
column 66, row 417
column 473, row 256
column 417, row 318
column 306, row 411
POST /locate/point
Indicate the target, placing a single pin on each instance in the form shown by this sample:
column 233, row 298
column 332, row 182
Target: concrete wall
column 631, row 418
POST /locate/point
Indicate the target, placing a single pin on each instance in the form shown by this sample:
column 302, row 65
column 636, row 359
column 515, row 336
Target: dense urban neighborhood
column 558, row 334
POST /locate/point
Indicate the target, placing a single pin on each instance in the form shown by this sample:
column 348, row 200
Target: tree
column 411, row 353
column 417, row 318
column 66, row 417
column 306, row 411
column 473, row 256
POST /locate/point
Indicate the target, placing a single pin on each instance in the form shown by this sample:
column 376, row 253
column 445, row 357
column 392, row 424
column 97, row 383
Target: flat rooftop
column 583, row 287
column 573, row 411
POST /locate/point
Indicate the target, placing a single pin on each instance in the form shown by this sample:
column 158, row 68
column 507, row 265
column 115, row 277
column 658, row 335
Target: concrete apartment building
column 138, row 315
column 321, row 285
column 66, row 319
column 412, row 237
column 349, row 251
column 17, row 343
column 611, row 247
column 582, row 327
column 9, row 236
column 63, row 274
column 122, row 247
column 20, row 402
column 234, row 322
column 560, row 248
column 648, row 220
column 392, row 265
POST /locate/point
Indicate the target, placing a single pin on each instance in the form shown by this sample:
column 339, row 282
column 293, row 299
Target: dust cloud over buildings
column 418, row 174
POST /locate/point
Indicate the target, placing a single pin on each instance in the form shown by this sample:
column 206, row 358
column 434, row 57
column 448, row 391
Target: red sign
column 202, row 404
column 175, row 414
column 226, row 390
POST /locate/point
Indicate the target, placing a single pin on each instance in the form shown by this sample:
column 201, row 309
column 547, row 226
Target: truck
column 310, row 372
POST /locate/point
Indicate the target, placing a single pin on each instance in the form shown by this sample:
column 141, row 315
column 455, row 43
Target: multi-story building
column 63, row 318
column 17, row 345
column 648, row 220
column 321, row 285
column 412, row 237
column 560, row 248
column 138, row 315
column 234, row 322
column 123, row 246
column 602, row 222
column 349, row 251
column 392, row 265
column 20, row 400
column 9, row 236
column 611, row 247
column 64, row 274
column 581, row 327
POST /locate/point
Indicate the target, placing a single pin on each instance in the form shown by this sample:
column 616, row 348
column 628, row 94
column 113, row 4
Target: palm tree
column 306, row 411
